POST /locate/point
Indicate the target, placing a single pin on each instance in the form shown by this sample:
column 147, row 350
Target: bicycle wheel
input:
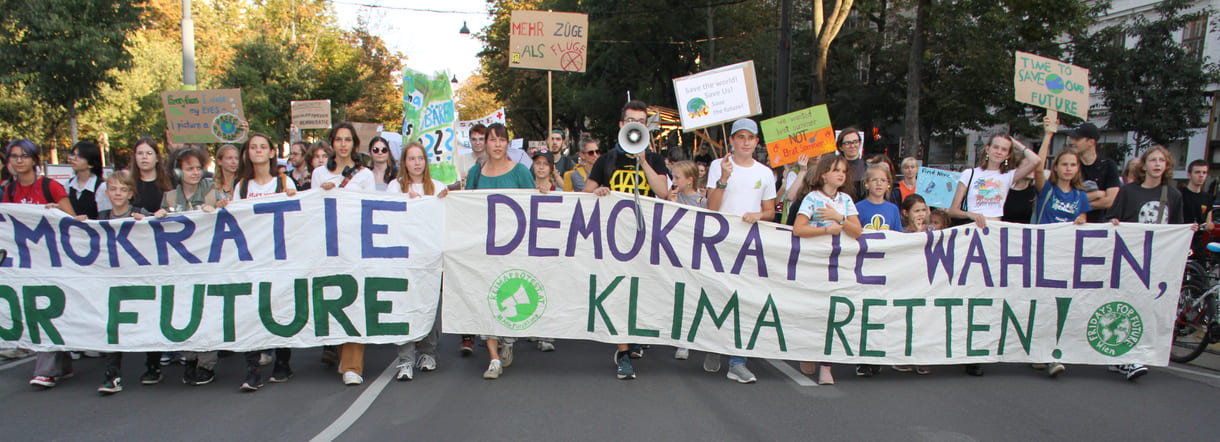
column 1190, row 331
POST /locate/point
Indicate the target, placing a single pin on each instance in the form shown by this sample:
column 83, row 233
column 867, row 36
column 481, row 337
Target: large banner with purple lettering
column 582, row 267
column 320, row 267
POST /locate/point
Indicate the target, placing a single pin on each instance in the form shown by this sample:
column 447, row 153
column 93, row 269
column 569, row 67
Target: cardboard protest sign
column 552, row 41
column 937, row 187
column 366, row 132
column 429, row 117
column 1052, row 84
column 716, row 96
column 804, row 132
column 205, row 116
column 311, row 114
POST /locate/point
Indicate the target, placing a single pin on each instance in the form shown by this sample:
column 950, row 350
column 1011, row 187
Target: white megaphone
column 633, row 137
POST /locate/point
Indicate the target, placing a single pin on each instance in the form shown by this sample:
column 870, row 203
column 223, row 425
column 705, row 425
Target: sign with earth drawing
column 1052, row 84
column 717, row 96
column 205, row 116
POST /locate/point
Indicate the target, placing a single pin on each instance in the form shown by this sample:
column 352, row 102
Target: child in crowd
column 415, row 180
column 877, row 215
column 915, row 219
column 1065, row 199
column 827, row 210
column 685, row 178
column 938, row 219
column 120, row 190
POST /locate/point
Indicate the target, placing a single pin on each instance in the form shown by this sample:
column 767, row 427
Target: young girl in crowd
column 877, row 214
column 685, row 177
column 120, row 191
column 1153, row 200
column 152, row 178
column 827, row 210
column 87, row 188
column 915, row 219
column 345, row 169
column 543, row 171
column 25, row 186
column 938, row 219
column 985, row 188
column 498, row 172
column 227, row 162
column 319, row 154
column 259, row 175
column 385, row 169
column 1064, row 200
column 415, row 180
column 910, row 174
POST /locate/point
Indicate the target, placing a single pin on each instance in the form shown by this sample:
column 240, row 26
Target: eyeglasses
column 851, row 143
column 635, row 120
column 381, row 149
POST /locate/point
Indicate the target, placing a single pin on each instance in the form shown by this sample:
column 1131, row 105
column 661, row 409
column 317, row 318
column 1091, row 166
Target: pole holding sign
column 717, row 96
column 205, row 116
column 804, row 132
column 552, row 41
column 311, row 114
column 1051, row 84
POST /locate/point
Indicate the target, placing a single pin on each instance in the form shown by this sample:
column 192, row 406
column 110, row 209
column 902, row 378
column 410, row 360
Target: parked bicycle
column 1196, row 326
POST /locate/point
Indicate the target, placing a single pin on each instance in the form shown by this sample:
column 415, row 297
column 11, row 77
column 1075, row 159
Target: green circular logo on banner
column 517, row 299
column 1115, row 328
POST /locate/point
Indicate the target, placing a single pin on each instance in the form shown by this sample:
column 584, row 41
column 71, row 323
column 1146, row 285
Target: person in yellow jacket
column 575, row 178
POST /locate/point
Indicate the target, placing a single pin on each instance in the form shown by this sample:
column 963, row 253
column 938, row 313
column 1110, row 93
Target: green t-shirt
column 517, row 178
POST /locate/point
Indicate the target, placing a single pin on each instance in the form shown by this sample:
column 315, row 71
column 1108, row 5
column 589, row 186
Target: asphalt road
column 572, row 394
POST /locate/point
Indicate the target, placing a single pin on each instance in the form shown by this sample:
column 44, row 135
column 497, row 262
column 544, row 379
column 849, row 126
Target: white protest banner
column 574, row 266
column 322, row 267
column 464, row 126
column 1051, row 84
column 717, row 96
column 936, row 186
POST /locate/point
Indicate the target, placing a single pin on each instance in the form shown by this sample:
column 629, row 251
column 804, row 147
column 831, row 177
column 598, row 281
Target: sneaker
column 330, row 355
column 864, row 371
column 625, row 370
column 351, row 378
column 406, row 371
column 903, row 368
column 1132, row 371
column 506, row 353
column 682, row 354
column 467, row 345
column 1053, row 369
column 1038, row 366
column 637, row 351
column 203, row 376
column 75, row 355
column 265, row 359
column 91, row 354
column 974, row 369
column 43, row 381
column 188, row 373
column 922, row 370
column 426, row 362
column 741, row 374
column 808, row 367
column 711, row 362
column 15, row 353
column 493, row 370
column 281, row 373
column 151, row 376
column 824, row 376
column 546, row 346
column 253, row 381
column 112, row 386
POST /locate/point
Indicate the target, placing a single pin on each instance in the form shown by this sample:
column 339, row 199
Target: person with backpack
column 87, row 188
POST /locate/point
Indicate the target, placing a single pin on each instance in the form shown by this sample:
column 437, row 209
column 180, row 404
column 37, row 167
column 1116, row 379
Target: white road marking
column 22, row 361
column 792, row 373
column 1192, row 372
column 358, row 407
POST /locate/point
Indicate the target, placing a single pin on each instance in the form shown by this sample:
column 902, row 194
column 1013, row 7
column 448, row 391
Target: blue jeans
column 737, row 360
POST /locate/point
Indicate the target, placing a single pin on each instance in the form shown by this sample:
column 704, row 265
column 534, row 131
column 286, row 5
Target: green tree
column 64, row 51
column 1154, row 87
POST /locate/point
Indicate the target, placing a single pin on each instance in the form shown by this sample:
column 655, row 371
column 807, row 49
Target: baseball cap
column 745, row 124
column 1086, row 130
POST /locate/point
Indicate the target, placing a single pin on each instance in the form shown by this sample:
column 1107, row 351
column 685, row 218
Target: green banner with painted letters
column 581, row 267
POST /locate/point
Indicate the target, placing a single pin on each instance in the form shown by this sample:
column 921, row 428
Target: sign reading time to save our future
column 1052, row 84
column 804, row 132
column 205, row 116
column 551, row 41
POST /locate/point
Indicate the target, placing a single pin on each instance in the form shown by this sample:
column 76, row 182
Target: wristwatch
column 721, row 186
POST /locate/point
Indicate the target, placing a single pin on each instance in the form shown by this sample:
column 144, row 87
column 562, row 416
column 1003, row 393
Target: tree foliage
column 1152, row 86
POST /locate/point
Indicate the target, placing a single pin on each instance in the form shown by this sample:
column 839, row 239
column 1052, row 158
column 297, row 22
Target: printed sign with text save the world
column 551, row 41
column 804, row 132
column 1051, row 84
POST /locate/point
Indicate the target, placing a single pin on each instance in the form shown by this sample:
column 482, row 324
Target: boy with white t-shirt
column 738, row 185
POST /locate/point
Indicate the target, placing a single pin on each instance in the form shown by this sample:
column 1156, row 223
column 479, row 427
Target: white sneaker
column 1053, row 369
column 682, row 353
column 546, row 346
column 711, row 362
column 506, row 353
column 493, row 370
column 351, row 378
column 265, row 359
column 426, row 362
column 406, row 371
column 741, row 374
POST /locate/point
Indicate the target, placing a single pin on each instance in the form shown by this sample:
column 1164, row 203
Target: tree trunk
column 911, row 131
column 72, row 120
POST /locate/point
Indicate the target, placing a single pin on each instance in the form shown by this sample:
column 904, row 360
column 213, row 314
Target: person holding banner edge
column 737, row 185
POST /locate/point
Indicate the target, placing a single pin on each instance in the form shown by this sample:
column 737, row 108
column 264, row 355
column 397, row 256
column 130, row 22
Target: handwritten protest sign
column 716, row 96
column 1052, row 84
column 937, row 187
column 205, row 116
column 311, row 114
column 429, row 117
column 552, row 41
column 463, row 127
column 804, row 132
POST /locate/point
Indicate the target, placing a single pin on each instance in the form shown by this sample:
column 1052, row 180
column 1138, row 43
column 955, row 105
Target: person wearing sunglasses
column 588, row 153
column 385, row 169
